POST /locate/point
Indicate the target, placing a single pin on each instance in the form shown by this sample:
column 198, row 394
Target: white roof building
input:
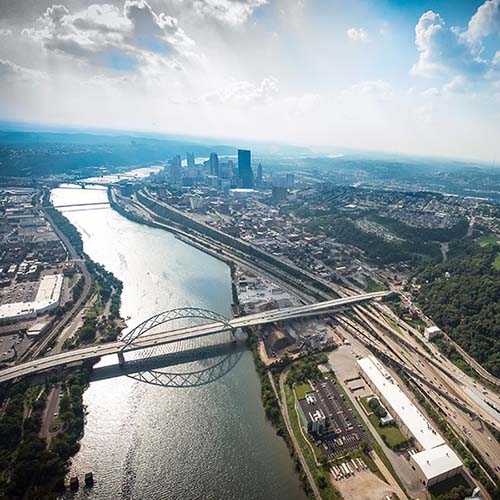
column 405, row 410
column 47, row 298
column 437, row 460
column 437, row 464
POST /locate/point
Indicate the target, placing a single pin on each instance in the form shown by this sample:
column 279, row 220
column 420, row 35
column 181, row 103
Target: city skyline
column 417, row 78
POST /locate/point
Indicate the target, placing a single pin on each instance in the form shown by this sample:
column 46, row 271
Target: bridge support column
column 121, row 359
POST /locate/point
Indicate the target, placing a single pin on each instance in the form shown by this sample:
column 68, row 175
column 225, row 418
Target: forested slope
column 466, row 302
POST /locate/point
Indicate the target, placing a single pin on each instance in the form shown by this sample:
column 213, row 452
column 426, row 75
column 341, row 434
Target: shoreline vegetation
column 268, row 396
column 31, row 468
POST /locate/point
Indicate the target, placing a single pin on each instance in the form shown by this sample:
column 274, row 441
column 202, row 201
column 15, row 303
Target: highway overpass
column 47, row 363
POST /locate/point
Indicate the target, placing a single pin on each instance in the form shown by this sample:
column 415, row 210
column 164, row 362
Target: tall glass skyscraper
column 245, row 172
column 214, row 164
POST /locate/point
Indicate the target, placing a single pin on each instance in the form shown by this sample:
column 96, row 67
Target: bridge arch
column 179, row 313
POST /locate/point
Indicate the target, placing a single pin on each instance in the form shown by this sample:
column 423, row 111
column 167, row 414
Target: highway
column 438, row 378
column 155, row 339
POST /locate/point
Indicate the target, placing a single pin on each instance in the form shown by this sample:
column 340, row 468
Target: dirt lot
column 363, row 486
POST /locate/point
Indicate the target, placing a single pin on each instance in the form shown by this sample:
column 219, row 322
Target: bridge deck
column 161, row 338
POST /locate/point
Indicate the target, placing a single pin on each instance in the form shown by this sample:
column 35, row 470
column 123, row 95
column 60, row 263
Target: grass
column 374, row 286
column 489, row 240
column 301, row 390
column 391, row 434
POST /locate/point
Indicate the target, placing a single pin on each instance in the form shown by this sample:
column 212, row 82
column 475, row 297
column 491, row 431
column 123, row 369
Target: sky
column 409, row 76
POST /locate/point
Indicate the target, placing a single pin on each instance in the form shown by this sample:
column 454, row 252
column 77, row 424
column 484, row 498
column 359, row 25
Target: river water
column 149, row 442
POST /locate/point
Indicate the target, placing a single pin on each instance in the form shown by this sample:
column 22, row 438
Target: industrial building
column 47, row 298
column 432, row 331
column 435, row 460
column 436, row 465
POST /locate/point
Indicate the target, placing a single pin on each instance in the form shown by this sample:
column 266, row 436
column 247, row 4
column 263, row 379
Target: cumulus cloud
column 245, row 93
column 485, row 22
column 455, row 53
column 5, row 32
column 443, row 51
column 232, row 12
column 103, row 34
column 357, row 34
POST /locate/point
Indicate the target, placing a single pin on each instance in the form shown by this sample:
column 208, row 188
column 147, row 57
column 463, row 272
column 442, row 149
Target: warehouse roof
column 437, row 461
column 408, row 413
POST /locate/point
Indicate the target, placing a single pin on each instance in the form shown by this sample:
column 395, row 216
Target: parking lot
column 345, row 433
column 20, row 292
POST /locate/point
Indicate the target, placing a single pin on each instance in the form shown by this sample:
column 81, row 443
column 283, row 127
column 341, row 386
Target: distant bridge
column 145, row 336
column 71, row 205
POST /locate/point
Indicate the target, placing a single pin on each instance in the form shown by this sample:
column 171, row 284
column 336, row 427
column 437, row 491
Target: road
column 296, row 445
column 72, row 254
column 434, row 377
column 161, row 338
column 51, row 408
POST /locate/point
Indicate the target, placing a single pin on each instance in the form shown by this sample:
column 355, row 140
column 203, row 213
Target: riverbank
column 218, row 430
column 33, row 466
column 269, row 401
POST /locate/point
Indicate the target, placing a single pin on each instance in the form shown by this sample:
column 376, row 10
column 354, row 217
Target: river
column 149, row 442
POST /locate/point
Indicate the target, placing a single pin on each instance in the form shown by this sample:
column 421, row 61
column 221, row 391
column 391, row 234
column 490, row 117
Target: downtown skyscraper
column 245, row 172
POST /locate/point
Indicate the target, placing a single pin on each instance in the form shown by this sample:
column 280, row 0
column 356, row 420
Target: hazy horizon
column 421, row 78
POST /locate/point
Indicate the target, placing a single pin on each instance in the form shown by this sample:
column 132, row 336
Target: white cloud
column 5, row 32
column 458, row 85
column 496, row 58
column 430, row 92
column 232, row 12
column 357, row 34
column 245, row 93
column 378, row 90
column 12, row 71
column 485, row 22
column 107, row 36
column 443, row 51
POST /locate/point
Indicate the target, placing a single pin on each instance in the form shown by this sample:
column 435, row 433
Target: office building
column 290, row 181
column 279, row 193
column 214, row 164
column 176, row 168
column 190, row 160
column 245, row 172
column 259, row 175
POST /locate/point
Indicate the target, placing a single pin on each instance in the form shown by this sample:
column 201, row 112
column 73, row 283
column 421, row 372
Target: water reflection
column 187, row 368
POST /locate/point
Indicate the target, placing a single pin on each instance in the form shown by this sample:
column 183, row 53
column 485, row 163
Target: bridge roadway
column 161, row 338
column 82, row 204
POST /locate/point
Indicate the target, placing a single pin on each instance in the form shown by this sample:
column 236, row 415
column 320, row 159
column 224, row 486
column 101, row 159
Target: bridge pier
column 121, row 359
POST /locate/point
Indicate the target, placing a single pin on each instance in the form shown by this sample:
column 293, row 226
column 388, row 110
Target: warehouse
column 436, row 460
column 47, row 298
column 437, row 464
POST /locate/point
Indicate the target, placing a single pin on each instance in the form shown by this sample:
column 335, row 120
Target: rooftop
column 409, row 414
column 437, row 461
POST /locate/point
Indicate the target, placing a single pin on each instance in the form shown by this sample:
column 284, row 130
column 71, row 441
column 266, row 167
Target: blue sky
column 410, row 76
